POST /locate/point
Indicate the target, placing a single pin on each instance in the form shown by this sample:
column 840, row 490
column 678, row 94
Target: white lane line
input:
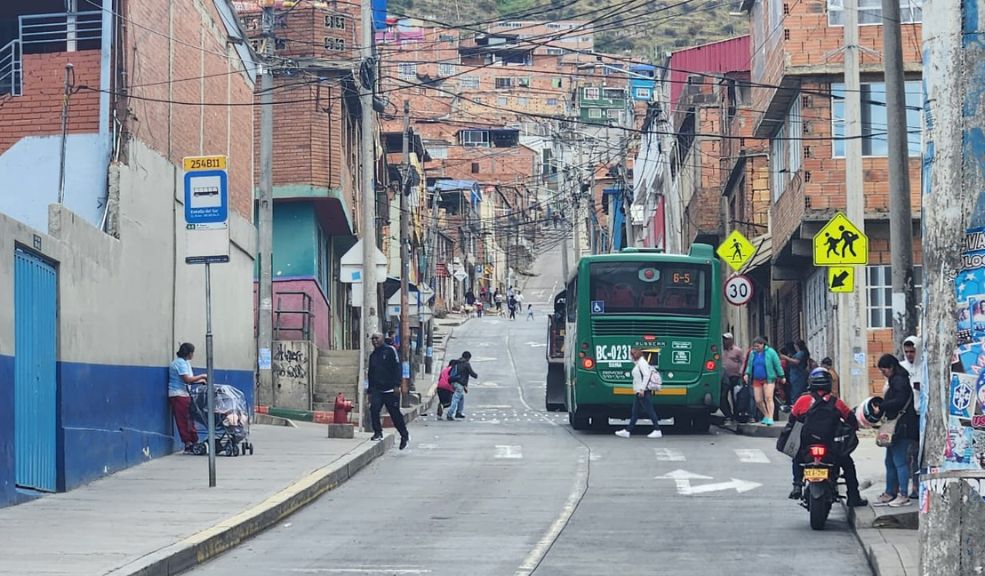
column 493, row 407
column 361, row 570
column 509, row 452
column 752, row 455
column 544, row 544
column 669, row 455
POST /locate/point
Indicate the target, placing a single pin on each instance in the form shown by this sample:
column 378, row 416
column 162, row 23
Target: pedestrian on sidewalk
column 180, row 375
column 732, row 357
column 912, row 362
column 530, row 312
column 897, row 404
column 763, row 371
column 459, row 377
column 642, row 399
column 512, row 304
column 828, row 364
column 383, row 380
column 799, row 365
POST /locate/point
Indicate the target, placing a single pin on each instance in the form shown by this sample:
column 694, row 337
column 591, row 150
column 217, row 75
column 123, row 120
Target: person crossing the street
column 383, row 380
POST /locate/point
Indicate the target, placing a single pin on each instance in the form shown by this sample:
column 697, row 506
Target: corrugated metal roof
column 722, row 57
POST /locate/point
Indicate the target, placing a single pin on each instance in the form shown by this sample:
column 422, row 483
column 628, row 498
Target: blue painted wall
column 8, row 492
column 108, row 416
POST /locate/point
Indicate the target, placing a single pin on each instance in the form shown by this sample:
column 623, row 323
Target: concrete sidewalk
column 889, row 536
column 160, row 517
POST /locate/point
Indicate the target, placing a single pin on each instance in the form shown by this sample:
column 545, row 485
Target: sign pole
column 209, row 383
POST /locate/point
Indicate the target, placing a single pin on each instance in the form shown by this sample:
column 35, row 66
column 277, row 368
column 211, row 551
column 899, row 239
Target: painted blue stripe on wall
column 8, row 491
column 112, row 417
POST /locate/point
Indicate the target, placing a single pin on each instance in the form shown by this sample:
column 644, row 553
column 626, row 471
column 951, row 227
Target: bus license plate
column 815, row 474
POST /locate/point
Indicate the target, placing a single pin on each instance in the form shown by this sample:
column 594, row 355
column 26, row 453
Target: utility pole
column 405, row 258
column 265, row 315
column 900, row 219
column 851, row 311
column 952, row 524
column 562, row 185
column 367, row 82
column 432, row 274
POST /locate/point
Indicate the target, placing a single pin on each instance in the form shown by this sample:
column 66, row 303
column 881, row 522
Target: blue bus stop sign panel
column 206, row 197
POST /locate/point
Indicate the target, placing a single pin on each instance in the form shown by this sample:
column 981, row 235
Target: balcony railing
column 63, row 32
column 10, row 68
column 47, row 33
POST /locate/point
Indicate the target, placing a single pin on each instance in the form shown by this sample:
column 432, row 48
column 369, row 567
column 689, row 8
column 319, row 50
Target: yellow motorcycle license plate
column 815, row 474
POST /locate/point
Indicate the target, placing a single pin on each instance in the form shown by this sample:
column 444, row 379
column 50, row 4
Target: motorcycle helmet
column 819, row 380
column 865, row 412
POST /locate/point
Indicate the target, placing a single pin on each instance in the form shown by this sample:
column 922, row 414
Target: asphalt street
column 512, row 490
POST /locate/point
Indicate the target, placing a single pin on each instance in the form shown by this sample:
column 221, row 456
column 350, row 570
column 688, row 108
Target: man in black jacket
column 384, row 380
column 462, row 370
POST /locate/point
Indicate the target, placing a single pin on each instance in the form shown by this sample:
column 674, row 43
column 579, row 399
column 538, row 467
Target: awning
column 763, row 254
column 461, row 186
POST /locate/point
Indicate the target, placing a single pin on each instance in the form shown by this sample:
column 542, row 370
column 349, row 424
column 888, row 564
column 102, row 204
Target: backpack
column 654, row 382
column 453, row 372
column 821, row 421
column 444, row 379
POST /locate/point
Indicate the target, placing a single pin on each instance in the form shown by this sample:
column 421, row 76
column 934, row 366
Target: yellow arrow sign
column 841, row 279
column 840, row 243
column 736, row 250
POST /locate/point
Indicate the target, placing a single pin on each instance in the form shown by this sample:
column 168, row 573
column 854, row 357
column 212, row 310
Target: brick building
column 797, row 83
column 95, row 294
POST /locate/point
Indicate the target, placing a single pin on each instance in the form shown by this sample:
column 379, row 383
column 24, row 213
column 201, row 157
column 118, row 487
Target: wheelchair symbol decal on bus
column 598, row 306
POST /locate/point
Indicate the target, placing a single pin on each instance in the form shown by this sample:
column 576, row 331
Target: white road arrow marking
column 669, row 455
column 535, row 344
column 682, row 479
column 739, row 485
column 510, row 452
column 752, row 455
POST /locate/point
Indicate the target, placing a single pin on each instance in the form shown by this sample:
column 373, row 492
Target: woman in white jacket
column 641, row 400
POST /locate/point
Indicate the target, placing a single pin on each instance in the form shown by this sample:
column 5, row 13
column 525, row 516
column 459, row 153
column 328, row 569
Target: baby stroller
column 232, row 420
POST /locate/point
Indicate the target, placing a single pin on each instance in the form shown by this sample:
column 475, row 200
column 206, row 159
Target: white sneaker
column 622, row 433
column 900, row 501
column 655, row 434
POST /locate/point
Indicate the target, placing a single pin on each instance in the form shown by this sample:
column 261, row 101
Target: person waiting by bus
column 799, row 366
column 763, row 371
column 180, row 375
column 642, row 399
column 732, row 358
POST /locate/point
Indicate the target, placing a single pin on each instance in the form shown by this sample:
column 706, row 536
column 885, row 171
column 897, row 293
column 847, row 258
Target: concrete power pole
column 952, row 521
column 265, row 315
column 367, row 82
column 851, row 312
column 405, row 255
column 900, row 219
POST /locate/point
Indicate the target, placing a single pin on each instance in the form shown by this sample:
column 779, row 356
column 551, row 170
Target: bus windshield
column 650, row 288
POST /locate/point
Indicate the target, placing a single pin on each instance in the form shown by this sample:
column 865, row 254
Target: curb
column 754, row 430
column 231, row 532
column 868, row 526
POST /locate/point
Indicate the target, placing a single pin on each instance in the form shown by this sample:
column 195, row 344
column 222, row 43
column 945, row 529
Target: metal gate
column 35, row 385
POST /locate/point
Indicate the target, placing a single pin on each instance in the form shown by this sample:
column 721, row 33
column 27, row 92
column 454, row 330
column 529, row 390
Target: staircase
column 338, row 371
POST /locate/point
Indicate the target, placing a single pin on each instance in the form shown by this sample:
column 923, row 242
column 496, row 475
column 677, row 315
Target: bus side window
column 571, row 300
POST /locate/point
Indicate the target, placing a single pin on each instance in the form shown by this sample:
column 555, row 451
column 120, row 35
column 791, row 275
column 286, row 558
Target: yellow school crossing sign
column 840, row 243
column 841, row 278
column 736, row 250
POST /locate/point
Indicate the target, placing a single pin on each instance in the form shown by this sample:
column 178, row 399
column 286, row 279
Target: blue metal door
column 35, row 385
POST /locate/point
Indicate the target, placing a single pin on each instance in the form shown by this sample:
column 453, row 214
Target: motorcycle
column 820, row 485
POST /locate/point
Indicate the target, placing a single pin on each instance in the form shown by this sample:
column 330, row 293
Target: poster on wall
column 965, row 445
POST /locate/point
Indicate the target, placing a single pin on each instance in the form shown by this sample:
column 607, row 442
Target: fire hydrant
column 340, row 415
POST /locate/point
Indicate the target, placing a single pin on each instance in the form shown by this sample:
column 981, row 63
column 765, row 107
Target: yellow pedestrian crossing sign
column 736, row 250
column 840, row 243
column 841, row 279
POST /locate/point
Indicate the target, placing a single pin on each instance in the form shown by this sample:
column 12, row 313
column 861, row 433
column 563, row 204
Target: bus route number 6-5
column 738, row 290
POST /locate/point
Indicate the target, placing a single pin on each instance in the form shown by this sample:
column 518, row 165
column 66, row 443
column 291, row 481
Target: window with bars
column 591, row 93
column 446, row 69
column 879, row 294
column 407, row 71
column 469, row 83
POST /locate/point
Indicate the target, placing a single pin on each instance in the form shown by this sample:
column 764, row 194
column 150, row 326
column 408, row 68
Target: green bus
column 668, row 305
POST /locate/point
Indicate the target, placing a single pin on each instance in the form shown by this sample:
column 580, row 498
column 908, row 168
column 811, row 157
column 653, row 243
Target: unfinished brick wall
column 181, row 82
column 38, row 111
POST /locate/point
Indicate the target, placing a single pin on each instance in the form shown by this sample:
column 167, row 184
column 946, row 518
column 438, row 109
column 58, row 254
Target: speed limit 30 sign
column 738, row 290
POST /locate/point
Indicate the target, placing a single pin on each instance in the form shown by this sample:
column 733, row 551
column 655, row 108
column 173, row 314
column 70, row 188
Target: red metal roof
column 722, row 57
